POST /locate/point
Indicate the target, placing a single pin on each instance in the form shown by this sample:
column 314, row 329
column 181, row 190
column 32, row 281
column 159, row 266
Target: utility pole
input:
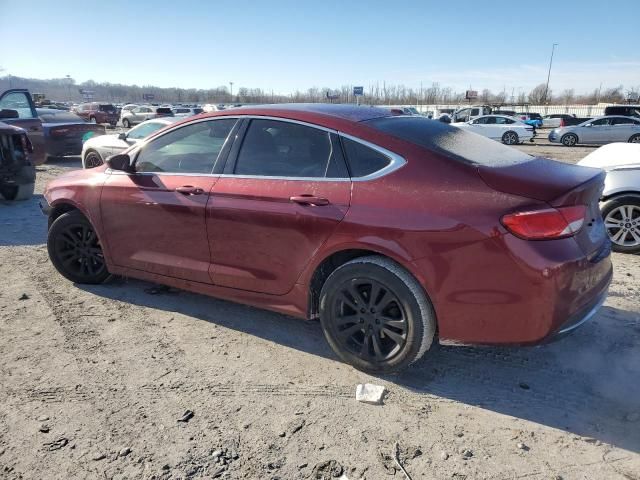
column 546, row 90
column 231, row 85
column 68, row 77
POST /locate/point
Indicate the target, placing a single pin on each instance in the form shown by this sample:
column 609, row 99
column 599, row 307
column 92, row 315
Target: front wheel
column 569, row 140
column 17, row 192
column 375, row 315
column 622, row 220
column 635, row 138
column 92, row 160
column 75, row 250
column 510, row 138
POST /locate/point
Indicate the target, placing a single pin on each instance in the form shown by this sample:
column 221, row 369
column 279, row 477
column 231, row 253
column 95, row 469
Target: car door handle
column 309, row 200
column 34, row 129
column 189, row 190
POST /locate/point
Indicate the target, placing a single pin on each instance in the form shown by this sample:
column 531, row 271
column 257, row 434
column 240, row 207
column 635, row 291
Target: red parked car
column 96, row 112
column 392, row 230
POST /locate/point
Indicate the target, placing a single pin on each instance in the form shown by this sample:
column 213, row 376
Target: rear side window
column 363, row 160
column 450, row 141
column 107, row 108
column 163, row 111
column 272, row 148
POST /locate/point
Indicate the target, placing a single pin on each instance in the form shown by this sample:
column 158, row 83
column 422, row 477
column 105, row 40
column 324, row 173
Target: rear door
column 20, row 101
column 598, row 131
column 155, row 217
column 623, row 128
column 284, row 191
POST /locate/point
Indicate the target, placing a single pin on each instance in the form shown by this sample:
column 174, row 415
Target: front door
column 20, row 101
column 283, row 193
column 155, row 217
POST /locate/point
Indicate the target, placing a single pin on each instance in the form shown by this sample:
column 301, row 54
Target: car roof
column 165, row 120
column 349, row 112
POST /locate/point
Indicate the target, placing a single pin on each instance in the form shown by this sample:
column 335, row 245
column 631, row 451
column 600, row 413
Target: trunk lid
column 558, row 184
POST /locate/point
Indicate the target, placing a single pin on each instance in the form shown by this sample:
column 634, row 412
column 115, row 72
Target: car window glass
column 144, row 130
column 601, row 122
column 480, row 121
column 363, row 160
column 273, row 148
column 621, row 121
column 191, row 149
column 501, row 120
column 19, row 102
column 475, row 111
column 491, row 120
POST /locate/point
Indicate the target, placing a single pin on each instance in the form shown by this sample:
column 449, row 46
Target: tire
column 510, row 138
column 75, row 251
column 126, row 123
column 386, row 333
column 92, row 159
column 635, row 138
column 569, row 139
column 17, row 192
column 92, row 120
column 621, row 217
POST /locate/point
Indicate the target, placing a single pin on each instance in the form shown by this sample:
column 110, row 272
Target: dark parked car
column 24, row 115
column 65, row 132
column 96, row 112
column 386, row 228
column 624, row 110
column 17, row 173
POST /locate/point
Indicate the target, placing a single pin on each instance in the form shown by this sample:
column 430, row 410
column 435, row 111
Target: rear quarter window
column 453, row 142
column 363, row 160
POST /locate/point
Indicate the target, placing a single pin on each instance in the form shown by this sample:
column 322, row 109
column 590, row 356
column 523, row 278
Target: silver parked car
column 142, row 113
column 599, row 131
column 96, row 150
column 620, row 201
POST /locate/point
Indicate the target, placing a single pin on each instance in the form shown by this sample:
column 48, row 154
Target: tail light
column 546, row 224
column 59, row 132
column 562, row 122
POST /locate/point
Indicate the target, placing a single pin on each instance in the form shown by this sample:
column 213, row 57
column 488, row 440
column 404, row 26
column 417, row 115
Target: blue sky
column 287, row 45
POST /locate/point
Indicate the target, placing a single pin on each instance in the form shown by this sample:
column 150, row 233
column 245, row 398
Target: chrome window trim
column 396, row 161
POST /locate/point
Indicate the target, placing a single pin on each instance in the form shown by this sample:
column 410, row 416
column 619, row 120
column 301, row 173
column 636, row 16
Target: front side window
column 191, row 149
column 601, row 122
column 363, row 160
column 480, row 121
column 144, row 130
column 19, row 102
column 273, row 148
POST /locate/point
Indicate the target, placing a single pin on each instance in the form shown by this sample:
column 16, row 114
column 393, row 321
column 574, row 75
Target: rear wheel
column 569, row 140
column 375, row 315
column 75, row 250
column 92, row 159
column 126, row 123
column 622, row 220
column 510, row 138
column 635, row 138
column 17, row 192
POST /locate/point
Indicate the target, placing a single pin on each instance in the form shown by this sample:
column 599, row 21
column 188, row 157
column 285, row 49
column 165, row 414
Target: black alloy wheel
column 75, row 250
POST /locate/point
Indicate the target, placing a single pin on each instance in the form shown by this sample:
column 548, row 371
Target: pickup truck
column 20, row 111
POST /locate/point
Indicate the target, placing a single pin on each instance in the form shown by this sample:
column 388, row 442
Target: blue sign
column 358, row 90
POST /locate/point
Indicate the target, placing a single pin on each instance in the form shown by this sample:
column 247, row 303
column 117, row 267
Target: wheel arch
column 326, row 264
column 622, row 193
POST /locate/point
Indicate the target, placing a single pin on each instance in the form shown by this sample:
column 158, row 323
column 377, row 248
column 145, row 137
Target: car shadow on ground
column 585, row 384
column 22, row 222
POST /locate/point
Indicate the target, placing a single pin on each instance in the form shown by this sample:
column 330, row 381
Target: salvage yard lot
column 93, row 381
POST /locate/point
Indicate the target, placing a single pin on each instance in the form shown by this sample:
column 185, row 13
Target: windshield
column 448, row 140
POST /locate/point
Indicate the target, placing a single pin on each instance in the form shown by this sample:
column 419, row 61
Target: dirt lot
column 94, row 381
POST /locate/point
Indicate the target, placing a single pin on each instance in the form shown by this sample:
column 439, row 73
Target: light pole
column 68, row 77
column 231, row 90
column 546, row 89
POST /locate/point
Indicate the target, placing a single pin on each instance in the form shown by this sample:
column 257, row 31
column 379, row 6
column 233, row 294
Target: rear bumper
column 515, row 292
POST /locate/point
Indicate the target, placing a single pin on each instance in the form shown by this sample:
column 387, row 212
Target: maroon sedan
column 391, row 230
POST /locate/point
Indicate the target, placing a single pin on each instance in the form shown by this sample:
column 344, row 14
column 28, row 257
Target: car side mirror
column 122, row 136
column 6, row 113
column 589, row 125
column 120, row 162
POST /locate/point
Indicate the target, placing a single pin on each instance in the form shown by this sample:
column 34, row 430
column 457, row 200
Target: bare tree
column 567, row 96
column 537, row 95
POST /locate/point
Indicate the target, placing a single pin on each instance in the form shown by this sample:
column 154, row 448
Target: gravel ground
column 94, row 381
